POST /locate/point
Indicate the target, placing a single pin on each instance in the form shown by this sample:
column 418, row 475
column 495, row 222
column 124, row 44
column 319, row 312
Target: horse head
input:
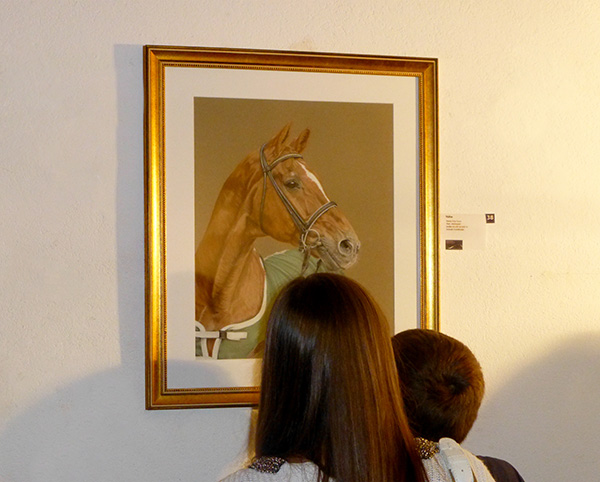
column 293, row 208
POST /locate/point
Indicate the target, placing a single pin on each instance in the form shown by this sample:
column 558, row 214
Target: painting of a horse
column 272, row 192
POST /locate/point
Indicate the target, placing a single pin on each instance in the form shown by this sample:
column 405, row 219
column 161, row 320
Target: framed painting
column 261, row 166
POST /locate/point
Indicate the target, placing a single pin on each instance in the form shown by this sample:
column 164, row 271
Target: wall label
column 465, row 231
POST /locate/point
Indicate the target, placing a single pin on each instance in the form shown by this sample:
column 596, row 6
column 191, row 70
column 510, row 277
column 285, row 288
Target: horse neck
column 227, row 248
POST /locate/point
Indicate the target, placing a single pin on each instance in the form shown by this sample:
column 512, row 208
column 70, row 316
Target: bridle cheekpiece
column 304, row 227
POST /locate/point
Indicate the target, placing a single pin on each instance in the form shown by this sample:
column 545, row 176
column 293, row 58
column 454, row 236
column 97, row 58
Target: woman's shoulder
column 275, row 469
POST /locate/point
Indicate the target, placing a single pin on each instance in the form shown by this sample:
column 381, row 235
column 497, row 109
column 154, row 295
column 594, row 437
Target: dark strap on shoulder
column 501, row 470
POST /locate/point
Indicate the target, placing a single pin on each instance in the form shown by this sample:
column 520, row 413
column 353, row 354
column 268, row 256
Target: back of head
column 329, row 387
column 441, row 381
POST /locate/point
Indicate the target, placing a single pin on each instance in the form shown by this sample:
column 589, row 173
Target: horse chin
column 334, row 262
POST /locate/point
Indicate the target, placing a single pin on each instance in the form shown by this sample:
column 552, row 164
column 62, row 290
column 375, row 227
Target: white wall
column 519, row 119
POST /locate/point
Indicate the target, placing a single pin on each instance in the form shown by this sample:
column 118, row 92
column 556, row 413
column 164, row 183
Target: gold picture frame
column 187, row 92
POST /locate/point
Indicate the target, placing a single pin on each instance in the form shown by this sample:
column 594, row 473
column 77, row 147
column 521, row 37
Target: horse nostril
column 346, row 247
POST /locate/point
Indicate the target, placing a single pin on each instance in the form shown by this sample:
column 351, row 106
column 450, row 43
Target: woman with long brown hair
column 330, row 406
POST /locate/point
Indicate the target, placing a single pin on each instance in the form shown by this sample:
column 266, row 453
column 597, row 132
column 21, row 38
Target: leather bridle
column 305, row 227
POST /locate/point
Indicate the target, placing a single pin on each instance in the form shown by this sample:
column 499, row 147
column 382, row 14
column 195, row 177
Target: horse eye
column 292, row 184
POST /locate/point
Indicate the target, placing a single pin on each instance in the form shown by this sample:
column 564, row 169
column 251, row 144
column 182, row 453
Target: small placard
column 465, row 231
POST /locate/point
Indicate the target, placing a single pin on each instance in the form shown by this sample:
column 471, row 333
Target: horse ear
column 277, row 142
column 300, row 143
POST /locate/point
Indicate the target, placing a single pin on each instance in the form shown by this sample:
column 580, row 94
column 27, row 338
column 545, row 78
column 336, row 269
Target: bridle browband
column 305, row 227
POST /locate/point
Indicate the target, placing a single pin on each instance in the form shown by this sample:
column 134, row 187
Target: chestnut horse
column 270, row 193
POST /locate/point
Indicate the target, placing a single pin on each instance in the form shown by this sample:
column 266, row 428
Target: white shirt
column 437, row 471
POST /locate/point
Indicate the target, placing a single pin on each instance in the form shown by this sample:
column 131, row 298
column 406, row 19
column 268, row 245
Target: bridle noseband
column 305, row 227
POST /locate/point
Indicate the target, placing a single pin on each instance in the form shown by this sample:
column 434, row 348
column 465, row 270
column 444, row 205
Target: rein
column 305, row 227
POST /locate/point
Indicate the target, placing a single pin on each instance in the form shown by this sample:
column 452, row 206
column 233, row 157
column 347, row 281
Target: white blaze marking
column 314, row 179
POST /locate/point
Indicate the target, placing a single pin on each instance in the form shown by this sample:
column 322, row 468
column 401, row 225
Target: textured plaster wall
column 519, row 118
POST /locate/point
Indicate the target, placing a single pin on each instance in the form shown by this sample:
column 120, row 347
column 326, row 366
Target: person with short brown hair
column 442, row 387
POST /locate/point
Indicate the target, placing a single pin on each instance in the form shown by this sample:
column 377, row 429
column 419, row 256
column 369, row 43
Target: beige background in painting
column 350, row 150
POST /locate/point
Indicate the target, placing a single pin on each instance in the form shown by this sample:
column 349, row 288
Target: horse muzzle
column 339, row 254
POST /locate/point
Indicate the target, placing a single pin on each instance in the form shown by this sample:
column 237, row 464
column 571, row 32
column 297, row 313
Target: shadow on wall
column 547, row 419
column 97, row 429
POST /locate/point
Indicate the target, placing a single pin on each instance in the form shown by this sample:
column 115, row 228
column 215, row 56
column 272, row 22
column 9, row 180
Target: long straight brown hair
column 330, row 389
